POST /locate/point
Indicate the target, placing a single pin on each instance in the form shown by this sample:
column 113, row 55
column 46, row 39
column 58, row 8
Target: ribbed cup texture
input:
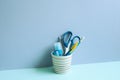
column 61, row 64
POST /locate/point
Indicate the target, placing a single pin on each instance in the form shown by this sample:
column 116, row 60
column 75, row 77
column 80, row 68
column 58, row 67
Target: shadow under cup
column 61, row 64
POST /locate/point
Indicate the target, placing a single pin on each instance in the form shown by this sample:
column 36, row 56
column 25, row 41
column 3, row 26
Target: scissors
column 69, row 43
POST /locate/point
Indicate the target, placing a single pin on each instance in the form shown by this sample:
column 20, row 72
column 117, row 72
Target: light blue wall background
column 29, row 28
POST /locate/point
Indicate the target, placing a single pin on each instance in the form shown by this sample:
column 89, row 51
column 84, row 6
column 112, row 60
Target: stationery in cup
column 66, row 44
column 62, row 55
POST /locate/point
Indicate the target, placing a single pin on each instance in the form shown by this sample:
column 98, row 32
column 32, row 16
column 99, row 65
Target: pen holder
column 61, row 64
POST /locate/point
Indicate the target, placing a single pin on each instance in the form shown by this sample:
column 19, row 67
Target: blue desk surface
column 94, row 71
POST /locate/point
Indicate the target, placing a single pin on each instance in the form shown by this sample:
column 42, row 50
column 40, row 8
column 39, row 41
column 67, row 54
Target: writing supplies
column 58, row 48
column 56, row 53
column 67, row 43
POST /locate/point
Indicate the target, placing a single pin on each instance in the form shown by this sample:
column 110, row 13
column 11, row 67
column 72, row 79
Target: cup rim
column 68, row 56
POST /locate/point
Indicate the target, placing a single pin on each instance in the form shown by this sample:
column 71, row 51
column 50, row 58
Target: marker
column 58, row 47
column 56, row 53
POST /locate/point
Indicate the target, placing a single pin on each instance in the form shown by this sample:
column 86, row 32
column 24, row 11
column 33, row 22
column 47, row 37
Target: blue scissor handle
column 72, row 41
column 66, row 37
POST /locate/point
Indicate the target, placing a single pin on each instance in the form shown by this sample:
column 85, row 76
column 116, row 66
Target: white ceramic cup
column 61, row 64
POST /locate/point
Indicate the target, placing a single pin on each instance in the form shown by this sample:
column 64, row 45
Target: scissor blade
column 67, row 48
